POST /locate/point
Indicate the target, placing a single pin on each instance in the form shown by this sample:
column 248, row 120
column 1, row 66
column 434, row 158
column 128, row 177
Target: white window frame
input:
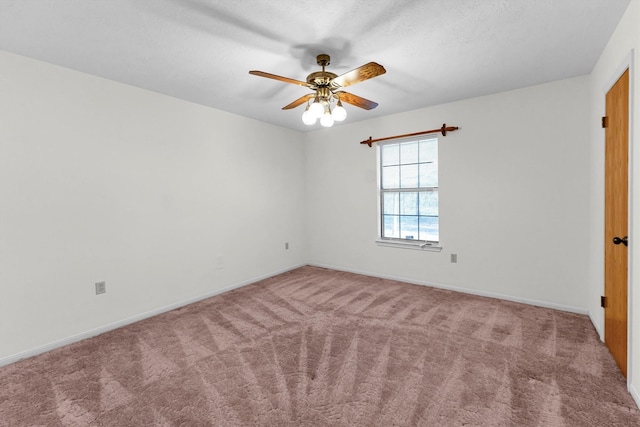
column 403, row 242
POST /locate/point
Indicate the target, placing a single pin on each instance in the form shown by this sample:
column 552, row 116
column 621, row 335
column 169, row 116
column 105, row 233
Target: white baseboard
column 512, row 298
column 124, row 322
column 635, row 395
column 597, row 326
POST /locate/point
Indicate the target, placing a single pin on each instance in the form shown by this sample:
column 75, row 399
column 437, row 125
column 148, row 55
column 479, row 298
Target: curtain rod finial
column 444, row 129
column 367, row 141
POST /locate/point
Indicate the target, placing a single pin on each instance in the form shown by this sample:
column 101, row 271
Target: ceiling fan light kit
column 321, row 109
column 325, row 103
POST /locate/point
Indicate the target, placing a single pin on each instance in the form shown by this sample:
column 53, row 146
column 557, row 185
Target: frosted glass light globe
column 339, row 113
column 308, row 118
column 326, row 120
column 316, row 109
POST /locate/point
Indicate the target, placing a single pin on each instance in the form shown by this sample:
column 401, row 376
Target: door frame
column 627, row 63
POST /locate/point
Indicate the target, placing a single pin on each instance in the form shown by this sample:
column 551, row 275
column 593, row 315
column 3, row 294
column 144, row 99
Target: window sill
column 433, row 247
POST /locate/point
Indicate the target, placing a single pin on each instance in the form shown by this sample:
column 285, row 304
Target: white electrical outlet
column 454, row 258
column 101, row 288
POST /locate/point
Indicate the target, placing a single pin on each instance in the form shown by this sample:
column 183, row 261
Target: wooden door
column 616, row 219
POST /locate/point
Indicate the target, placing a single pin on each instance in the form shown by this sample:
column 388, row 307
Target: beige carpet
column 316, row 347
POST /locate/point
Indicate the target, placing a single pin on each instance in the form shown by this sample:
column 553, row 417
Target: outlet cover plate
column 101, row 288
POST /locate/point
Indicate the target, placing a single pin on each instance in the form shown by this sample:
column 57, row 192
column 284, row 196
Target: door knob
column 618, row 240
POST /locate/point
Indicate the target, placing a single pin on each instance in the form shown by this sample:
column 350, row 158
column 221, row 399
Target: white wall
column 103, row 181
column 514, row 182
column 615, row 58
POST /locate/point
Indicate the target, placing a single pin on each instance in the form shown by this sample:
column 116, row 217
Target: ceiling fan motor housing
column 321, row 78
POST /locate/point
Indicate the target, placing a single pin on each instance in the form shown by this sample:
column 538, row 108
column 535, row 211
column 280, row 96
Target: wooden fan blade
column 367, row 71
column 299, row 101
column 356, row 100
column 280, row 78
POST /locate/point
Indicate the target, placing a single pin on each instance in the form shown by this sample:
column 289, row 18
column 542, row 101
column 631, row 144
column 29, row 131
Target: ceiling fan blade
column 365, row 72
column 299, row 101
column 356, row 100
column 280, row 78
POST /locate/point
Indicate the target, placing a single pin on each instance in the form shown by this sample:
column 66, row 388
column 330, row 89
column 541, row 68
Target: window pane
column 391, row 177
column 429, row 174
column 429, row 203
column 429, row 228
column 428, row 150
column 391, row 203
column 409, row 203
column 409, row 227
column 409, row 176
column 409, row 190
column 391, row 227
column 409, row 152
column 390, row 154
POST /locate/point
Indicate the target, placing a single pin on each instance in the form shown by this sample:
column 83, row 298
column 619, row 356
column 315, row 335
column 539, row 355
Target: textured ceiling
column 434, row 51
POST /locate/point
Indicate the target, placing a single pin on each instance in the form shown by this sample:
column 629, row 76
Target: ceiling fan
column 325, row 102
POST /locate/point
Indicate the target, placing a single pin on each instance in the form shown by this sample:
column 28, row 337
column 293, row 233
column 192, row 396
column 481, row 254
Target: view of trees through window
column 409, row 190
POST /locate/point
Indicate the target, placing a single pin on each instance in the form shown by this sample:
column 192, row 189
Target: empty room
column 338, row 213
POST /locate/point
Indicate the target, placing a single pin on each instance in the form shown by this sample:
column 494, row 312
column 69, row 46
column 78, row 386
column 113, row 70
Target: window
column 408, row 186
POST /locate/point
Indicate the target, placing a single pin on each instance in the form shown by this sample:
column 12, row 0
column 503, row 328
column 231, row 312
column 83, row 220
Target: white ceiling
column 434, row 51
